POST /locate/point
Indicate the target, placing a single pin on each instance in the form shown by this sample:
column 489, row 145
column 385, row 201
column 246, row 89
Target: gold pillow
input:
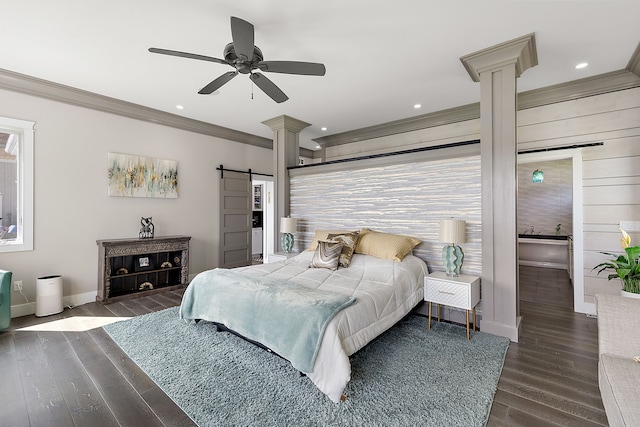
column 385, row 245
column 322, row 235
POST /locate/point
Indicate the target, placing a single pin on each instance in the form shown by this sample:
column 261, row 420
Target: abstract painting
column 137, row 176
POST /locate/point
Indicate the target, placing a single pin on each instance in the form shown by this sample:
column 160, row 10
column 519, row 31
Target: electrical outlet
column 630, row 225
column 17, row 286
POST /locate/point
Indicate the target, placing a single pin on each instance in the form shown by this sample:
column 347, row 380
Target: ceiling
column 382, row 57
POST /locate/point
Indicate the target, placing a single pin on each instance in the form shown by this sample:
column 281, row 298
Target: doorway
column 263, row 219
column 550, row 229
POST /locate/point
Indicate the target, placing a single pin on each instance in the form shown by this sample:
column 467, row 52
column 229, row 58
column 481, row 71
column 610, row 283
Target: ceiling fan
column 247, row 58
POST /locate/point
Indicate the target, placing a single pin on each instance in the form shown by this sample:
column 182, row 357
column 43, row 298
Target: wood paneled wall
column 611, row 172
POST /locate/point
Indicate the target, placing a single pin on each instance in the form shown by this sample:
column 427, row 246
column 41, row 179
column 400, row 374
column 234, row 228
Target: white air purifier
column 49, row 295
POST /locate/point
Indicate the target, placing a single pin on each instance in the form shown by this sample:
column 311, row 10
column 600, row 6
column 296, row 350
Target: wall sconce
column 288, row 226
column 452, row 231
column 538, row 176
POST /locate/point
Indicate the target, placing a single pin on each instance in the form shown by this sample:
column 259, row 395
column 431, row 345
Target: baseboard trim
column 29, row 308
column 584, row 308
column 502, row 329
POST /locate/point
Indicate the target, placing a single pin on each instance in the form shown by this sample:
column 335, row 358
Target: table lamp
column 287, row 228
column 452, row 231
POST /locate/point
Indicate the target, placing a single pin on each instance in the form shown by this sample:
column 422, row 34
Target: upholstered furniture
column 5, row 299
column 618, row 344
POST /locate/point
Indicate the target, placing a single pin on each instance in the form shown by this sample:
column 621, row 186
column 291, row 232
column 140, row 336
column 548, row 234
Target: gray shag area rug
column 408, row 376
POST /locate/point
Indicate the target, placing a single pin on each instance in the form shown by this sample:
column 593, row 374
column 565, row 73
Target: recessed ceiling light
column 318, row 147
column 323, row 128
column 581, row 65
column 180, row 107
column 416, row 106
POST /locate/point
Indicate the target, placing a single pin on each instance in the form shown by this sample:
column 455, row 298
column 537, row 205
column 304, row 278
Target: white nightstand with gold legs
column 460, row 292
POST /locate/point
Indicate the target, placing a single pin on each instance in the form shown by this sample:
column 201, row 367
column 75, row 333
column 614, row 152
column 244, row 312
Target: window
column 16, row 185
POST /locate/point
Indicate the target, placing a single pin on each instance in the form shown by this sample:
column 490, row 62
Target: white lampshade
column 452, row 230
column 288, row 225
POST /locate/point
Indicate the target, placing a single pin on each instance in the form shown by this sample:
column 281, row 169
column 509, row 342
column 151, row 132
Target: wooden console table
column 130, row 268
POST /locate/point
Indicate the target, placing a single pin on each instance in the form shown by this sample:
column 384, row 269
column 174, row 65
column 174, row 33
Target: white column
column 497, row 68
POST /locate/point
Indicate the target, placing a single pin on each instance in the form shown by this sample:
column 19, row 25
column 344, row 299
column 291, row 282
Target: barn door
column 235, row 220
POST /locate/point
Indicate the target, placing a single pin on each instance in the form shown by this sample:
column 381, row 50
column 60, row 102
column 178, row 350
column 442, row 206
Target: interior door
column 235, row 220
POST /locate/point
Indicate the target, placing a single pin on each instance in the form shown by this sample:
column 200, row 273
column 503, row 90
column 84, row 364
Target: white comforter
column 385, row 290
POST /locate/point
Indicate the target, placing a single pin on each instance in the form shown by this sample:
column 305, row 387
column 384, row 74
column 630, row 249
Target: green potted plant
column 626, row 267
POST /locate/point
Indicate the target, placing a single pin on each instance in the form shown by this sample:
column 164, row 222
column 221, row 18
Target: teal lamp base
column 287, row 242
column 452, row 258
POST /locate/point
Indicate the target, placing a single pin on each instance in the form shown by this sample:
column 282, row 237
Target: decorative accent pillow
column 327, row 255
column 322, row 235
column 385, row 245
column 349, row 240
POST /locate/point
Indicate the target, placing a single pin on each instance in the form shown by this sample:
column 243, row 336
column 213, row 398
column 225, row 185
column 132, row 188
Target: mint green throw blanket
column 287, row 318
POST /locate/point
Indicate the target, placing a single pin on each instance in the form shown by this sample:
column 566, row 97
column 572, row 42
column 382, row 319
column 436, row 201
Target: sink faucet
column 531, row 231
column 558, row 229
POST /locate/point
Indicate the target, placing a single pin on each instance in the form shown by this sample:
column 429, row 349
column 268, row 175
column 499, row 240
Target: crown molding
column 634, row 62
column 521, row 51
column 438, row 118
column 575, row 89
column 305, row 152
column 589, row 86
column 22, row 83
column 604, row 83
column 286, row 122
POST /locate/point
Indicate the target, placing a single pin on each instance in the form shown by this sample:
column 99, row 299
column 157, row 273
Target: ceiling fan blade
column 217, row 83
column 293, row 67
column 187, row 55
column 242, row 35
column 269, row 87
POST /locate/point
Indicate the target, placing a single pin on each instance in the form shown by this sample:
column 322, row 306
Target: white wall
column 72, row 209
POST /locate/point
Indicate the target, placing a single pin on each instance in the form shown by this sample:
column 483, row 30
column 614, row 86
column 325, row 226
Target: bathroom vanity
column 544, row 251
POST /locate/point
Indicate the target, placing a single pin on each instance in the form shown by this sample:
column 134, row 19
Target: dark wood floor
column 84, row 379
column 546, row 286
column 550, row 377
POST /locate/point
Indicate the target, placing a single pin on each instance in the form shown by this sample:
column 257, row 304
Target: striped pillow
column 322, row 235
column 327, row 254
column 350, row 240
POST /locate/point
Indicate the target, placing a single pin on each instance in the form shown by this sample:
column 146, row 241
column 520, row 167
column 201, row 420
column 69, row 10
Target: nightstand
column 460, row 292
column 279, row 256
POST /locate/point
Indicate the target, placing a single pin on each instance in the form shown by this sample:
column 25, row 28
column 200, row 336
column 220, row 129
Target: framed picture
column 143, row 263
column 137, row 176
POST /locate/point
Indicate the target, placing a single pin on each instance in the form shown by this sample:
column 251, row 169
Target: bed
column 386, row 284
